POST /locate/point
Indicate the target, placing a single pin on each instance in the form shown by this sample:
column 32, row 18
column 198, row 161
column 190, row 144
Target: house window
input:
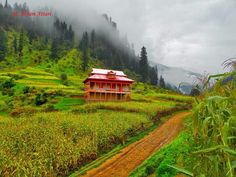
column 92, row 84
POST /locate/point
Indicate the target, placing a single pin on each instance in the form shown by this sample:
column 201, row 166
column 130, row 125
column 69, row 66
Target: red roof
column 105, row 71
column 101, row 74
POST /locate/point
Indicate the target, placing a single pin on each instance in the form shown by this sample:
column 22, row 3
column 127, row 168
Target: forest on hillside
column 33, row 40
column 48, row 127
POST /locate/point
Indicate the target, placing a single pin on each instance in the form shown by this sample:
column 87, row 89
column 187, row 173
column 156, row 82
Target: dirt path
column 122, row 164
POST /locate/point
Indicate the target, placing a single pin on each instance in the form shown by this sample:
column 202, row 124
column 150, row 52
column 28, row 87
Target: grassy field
column 39, row 78
column 47, row 129
column 55, row 143
column 207, row 147
column 150, row 108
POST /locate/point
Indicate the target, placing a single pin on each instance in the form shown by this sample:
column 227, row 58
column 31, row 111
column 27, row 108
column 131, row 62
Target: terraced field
column 57, row 132
column 39, row 78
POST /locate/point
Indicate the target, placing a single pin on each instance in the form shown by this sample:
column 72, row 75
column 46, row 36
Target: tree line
column 61, row 38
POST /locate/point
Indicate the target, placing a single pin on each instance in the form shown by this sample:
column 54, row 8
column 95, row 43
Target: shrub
column 40, row 99
column 150, row 170
column 50, row 108
column 64, row 79
column 22, row 111
column 26, row 89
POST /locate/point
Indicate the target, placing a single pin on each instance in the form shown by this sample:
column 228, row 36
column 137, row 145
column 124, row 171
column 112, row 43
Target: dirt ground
column 122, row 164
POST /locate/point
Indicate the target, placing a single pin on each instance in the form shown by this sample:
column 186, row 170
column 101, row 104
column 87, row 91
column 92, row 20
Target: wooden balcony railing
column 105, row 90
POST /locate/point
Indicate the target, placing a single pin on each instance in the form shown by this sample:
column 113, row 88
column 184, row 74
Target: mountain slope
column 177, row 77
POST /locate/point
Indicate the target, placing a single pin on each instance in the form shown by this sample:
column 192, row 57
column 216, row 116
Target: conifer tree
column 85, row 59
column 84, row 43
column 143, row 65
column 71, row 34
column 153, row 76
column 93, row 38
column 54, row 49
column 3, row 45
column 6, row 4
column 21, row 44
column 162, row 82
column 15, row 45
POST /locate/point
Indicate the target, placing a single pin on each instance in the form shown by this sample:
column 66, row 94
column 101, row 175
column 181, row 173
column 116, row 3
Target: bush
column 26, row 89
column 50, row 108
column 40, row 99
column 150, row 170
column 8, row 84
column 7, row 87
column 63, row 77
column 22, row 111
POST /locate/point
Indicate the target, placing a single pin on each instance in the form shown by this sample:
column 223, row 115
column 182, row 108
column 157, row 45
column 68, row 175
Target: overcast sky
column 192, row 34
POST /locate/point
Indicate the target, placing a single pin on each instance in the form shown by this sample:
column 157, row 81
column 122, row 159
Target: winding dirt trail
column 122, row 164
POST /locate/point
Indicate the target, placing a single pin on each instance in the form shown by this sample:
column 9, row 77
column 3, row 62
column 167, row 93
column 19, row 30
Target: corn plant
column 214, row 131
column 52, row 144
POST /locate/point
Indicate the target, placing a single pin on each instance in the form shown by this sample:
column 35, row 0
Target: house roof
column 105, row 71
column 101, row 74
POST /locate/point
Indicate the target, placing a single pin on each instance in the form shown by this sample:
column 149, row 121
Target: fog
column 194, row 35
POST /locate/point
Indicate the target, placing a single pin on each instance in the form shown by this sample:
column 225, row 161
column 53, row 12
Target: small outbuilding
column 107, row 85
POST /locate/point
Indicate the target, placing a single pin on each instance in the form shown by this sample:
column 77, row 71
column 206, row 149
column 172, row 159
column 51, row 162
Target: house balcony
column 106, row 90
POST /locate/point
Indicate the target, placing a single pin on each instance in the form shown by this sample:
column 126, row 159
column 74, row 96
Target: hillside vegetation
column 46, row 127
column 52, row 130
column 207, row 147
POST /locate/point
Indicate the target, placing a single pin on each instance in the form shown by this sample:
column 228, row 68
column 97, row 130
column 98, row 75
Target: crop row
column 149, row 108
column 52, row 144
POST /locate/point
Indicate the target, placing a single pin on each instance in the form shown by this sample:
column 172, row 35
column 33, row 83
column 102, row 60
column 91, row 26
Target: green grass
column 171, row 154
column 40, row 79
column 149, row 108
column 180, row 98
column 66, row 103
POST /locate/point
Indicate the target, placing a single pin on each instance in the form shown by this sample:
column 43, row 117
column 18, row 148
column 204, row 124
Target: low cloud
column 196, row 35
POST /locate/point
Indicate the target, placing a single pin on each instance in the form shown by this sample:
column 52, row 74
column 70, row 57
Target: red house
column 107, row 85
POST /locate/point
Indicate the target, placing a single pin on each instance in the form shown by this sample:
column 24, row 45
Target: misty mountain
column 178, row 77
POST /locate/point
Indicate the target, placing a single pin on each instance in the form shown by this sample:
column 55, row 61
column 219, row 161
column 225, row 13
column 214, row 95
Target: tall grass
column 214, row 132
column 52, row 144
column 149, row 108
column 158, row 163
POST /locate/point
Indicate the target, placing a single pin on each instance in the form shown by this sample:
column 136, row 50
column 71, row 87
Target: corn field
column 214, row 132
column 52, row 144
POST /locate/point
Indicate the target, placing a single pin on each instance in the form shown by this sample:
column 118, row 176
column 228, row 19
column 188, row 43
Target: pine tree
column 143, row 65
column 162, row 82
column 3, row 45
column 117, row 65
column 85, row 59
column 6, row 4
column 21, row 44
column 71, row 34
column 93, row 38
column 54, row 49
column 31, row 36
column 15, row 45
column 153, row 76
column 84, row 43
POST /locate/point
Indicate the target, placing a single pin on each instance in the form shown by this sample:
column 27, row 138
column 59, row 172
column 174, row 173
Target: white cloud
column 192, row 34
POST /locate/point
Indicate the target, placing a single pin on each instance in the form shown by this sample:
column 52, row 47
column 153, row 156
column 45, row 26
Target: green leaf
column 230, row 151
column 209, row 149
column 182, row 170
column 233, row 164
